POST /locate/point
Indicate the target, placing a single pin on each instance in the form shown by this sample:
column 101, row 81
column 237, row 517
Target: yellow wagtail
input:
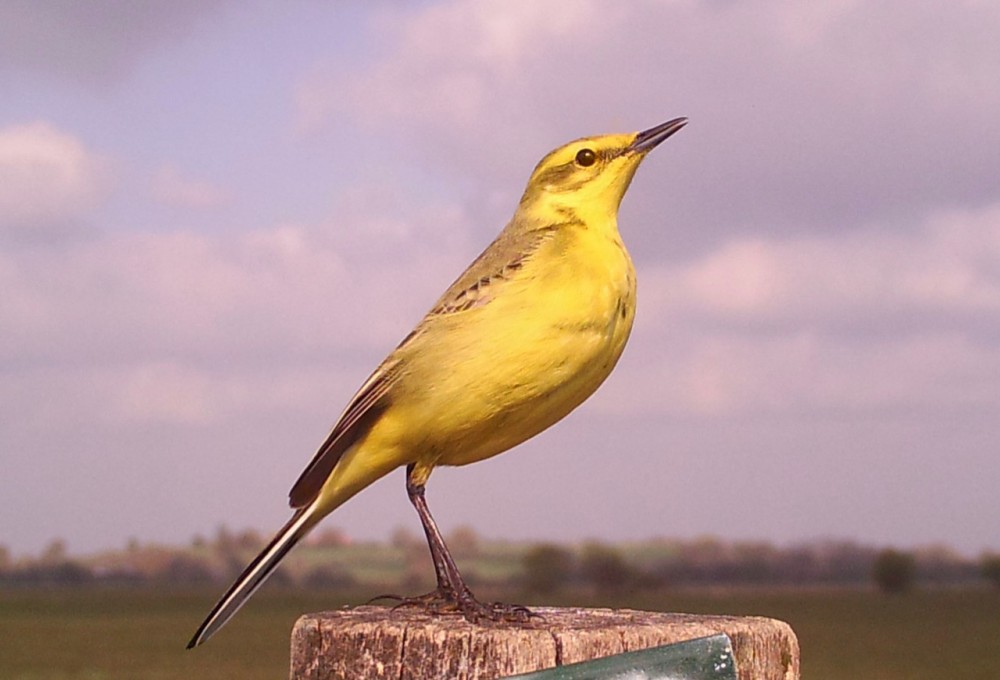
column 520, row 339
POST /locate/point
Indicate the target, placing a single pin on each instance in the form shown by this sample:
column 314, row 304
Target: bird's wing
column 507, row 254
column 501, row 259
column 363, row 410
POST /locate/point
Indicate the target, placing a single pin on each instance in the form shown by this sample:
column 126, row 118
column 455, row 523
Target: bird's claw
column 443, row 601
column 386, row 596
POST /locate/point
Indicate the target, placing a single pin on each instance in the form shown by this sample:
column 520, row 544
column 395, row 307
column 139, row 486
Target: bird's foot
column 445, row 601
column 386, row 596
column 475, row 611
column 438, row 601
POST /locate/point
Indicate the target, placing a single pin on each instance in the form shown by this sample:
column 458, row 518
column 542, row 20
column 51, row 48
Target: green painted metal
column 707, row 658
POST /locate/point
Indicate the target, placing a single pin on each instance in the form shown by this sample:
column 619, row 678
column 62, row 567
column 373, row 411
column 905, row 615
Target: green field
column 120, row 634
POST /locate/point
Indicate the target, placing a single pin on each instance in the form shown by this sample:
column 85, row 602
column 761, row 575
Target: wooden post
column 375, row 642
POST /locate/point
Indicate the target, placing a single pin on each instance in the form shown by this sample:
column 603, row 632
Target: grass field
column 125, row 634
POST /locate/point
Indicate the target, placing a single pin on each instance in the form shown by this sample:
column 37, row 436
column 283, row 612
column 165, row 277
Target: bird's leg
column 451, row 586
column 445, row 594
column 449, row 580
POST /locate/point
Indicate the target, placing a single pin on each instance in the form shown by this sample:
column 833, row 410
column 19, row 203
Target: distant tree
column 185, row 570
column 55, row 552
column 328, row 577
column 463, row 541
column 940, row 564
column 67, row 573
column 989, row 567
column 844, row 561
column 64, row 573
column 418, row 573
column 605, row 568
column 800, row 564
column 233, row 565
column 225, row 541
column 250, row 540
column 402, row 537
column 330, row 537
column 547, row 567
column 894, row 570
column 417, row 565
column 753, row 562
column 706, row 559
column 281, row 578
column 5, row 561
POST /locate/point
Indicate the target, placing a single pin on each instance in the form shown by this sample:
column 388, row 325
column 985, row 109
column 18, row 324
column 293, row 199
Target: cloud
column 184, row 326
column 95, row 43
column 49, row 181
column 813, row 118
column 172, row 188
column 453, row 100
column 498, row 42
column 807, row 375
column 808, row 254
column 817, row 253
column 945, row 269
column 872, row 321
column 187, row 327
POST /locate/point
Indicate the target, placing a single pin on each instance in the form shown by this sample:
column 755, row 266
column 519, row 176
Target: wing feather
column 473, row 288
column 361, row 413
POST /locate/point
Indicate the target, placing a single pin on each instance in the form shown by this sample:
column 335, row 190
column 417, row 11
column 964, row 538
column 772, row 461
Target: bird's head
column 589, row 176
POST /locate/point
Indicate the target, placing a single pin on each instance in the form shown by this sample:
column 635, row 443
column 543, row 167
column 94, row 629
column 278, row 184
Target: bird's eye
column 586, row 157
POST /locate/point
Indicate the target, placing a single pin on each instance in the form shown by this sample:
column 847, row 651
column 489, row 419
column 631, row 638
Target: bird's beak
column 647, row 140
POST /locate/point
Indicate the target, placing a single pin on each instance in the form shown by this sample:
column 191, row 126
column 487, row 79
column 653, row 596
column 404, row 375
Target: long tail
column 256, row 573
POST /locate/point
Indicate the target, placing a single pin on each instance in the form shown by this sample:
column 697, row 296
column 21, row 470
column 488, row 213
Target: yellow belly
column 484, row 380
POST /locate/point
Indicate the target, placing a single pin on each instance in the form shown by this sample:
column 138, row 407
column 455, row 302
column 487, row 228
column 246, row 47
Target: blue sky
column 217, row 217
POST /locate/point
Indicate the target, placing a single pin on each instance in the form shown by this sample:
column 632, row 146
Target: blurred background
column 217, row 217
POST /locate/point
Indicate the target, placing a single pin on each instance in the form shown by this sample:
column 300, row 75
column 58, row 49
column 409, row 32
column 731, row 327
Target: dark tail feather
column 254, row 575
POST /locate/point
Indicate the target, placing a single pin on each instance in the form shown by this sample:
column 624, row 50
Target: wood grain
column 376, row 642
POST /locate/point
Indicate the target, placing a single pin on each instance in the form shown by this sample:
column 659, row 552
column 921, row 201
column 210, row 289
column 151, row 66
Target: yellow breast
column 488, row 378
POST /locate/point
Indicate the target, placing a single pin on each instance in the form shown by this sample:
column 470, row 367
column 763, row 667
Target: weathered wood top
column 376, row 642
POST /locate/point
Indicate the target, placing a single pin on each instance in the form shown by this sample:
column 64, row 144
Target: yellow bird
column 520, row 339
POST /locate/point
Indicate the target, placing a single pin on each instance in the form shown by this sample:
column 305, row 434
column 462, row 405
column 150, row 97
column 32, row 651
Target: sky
column 217, row 217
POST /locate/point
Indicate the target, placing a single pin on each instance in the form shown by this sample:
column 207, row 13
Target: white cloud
column 172, row 188
column 48, row 180
column 810, row 375
column 950, row 265
column 495, row 89
column 806, row 279
column 806, row 117
column 94, row 42
column 422, row 82
column 185, row 327
column 873, row 320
